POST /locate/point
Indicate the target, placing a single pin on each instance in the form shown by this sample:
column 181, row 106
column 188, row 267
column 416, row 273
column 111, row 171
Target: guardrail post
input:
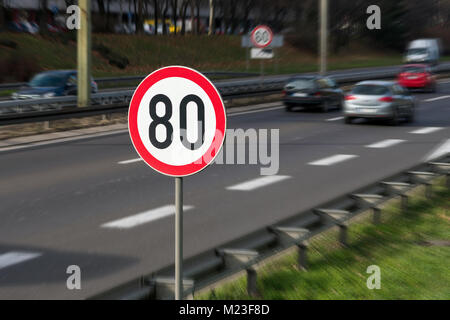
column 363, row 200
column 423, row 177
column 376, row 215
column 343, row 234
column 428, row 190
column 164, row 288
column 443, row 168
column 339, row 217
column 252, row 286
column 303, row 255
column 234, row 258
column 289, row 235
column 404, row 203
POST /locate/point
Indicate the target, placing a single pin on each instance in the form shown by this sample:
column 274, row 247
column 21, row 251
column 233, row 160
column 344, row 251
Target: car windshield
column 417, row 51
column 301, row 84
column 48, row 80
column 370, row 90
column 413, row 70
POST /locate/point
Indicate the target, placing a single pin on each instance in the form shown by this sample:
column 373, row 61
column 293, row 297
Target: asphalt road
column 56, row 199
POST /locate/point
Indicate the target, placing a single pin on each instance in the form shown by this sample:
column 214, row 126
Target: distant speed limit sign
column 177, row 121
column 261, row 36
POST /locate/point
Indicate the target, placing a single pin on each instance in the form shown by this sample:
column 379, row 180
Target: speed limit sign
column 177, row 124
column 261, row 36
column 177, row 121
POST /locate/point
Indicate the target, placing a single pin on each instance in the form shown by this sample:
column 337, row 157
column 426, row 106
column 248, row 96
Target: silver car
column 379, row 99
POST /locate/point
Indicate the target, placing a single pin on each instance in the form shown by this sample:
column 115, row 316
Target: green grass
column 409, row 269
column 146, row 53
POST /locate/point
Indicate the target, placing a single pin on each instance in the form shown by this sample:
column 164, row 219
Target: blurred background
column 135, row 37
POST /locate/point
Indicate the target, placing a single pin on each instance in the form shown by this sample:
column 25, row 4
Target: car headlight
column 48, row 95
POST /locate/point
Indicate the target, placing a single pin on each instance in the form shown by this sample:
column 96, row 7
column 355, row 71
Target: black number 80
column 164, row 120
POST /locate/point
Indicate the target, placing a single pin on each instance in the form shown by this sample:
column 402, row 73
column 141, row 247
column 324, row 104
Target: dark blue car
column 51, row 84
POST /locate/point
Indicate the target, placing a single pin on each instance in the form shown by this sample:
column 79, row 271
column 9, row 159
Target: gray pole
column 323, row 35
column 211, row 17
column 178, row 238
column 84, row 54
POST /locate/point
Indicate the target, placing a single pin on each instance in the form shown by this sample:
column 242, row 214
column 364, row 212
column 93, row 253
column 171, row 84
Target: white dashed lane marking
column 385, row 143
column 257, row 183
column 143, row 217
column 426, row 130
column 15, row 257
column 436, row 98
column 130, row 161
column 335, row 119
column 332, row 160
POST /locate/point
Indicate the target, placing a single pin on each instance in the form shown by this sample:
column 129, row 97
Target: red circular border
column 219, row 109
column 253, row 33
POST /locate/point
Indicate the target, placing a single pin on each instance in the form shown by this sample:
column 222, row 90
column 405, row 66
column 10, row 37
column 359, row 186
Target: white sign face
column 260, row 53
column 261, row 36
column 177, row 121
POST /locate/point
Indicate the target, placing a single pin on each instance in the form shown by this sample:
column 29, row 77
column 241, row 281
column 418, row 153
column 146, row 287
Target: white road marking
column 335, row 119
column 385, row 143
column 143, row 217
column 442, row 149
column 257, row 183
column 332, row 160
column 15, row 257
column 426, row 130
column 130, row 161
column 437, row 98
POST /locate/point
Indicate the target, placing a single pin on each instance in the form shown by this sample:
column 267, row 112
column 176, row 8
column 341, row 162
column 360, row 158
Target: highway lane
column 245, row 81
column 55, row 199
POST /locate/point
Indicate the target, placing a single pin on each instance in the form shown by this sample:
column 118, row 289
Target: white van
column 423, row 51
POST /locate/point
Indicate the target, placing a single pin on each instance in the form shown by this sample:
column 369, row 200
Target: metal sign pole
column 261, row 71
column 178, row 238
column 247, row 62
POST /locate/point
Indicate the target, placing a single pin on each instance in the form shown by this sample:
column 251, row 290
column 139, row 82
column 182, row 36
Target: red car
column 417, row 76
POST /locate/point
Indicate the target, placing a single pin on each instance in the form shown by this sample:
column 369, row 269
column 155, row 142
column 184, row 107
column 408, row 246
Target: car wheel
column 348, row 120
column 340, row 104
column 288, row 106
column 325, row 107
column 395, row 119
column 410, row 117
column 434, row 88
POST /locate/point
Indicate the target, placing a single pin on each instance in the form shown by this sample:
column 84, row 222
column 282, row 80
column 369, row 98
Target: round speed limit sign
column 177, row 121
column 261, row 36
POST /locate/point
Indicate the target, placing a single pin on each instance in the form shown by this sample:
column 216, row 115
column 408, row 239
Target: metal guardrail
column 233, row 74
column 246, row 254
column 33, row 110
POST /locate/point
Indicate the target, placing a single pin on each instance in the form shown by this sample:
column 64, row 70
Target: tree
column 139, row 17
column 183, row 13
column 164, row 10
column 2, row 14
column 156, row 15
column 43, row 17
column 174, row 4
column 197, row 14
